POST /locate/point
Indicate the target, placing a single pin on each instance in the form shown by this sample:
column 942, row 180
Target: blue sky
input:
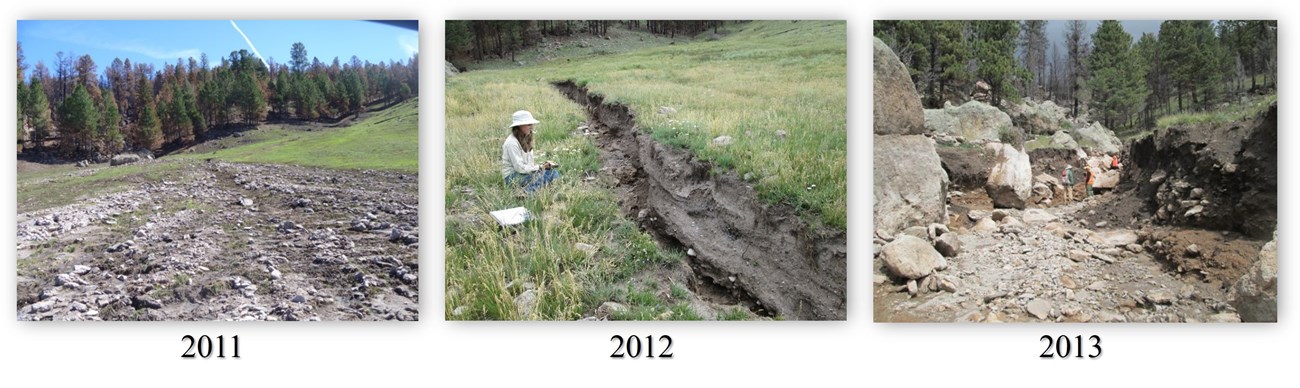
column 1056, row 29
column 160, row 42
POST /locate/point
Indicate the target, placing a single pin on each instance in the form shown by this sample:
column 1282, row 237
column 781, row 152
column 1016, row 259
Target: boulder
column 948, row 245
column 1119, row 238
column 124, row 159
column 985, row 225
column 1255, row 293
column 1050, row 180
column 1097, row 138
column 1039, row 308
column 911, row 258
column 1038, row 216
column 896, row 107
column 451, row 69
column 1061, row 139
column 1038, row 118
column 1010, row 182
column 910, row 185
column 1106, row 180
column 973, row 120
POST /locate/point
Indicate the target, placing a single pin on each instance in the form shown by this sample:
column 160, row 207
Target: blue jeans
column 534, row 181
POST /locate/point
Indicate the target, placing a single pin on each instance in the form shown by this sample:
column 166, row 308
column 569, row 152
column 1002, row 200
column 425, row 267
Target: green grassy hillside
column 387, row 140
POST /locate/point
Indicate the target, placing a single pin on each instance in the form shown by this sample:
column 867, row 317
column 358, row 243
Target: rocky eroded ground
column 1052, row 265
column 225, row 241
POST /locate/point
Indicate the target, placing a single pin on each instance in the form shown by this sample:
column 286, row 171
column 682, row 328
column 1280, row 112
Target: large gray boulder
column 973, row 120
column 124, row 159
column 1011, row 180
column 911, row 258
column 1255, row 293
column 1097, row 138
column 1062, row 139
column 910, row 185
column 1106, row 180
column 896, row 107
column 1038, row 118
column 451, row 69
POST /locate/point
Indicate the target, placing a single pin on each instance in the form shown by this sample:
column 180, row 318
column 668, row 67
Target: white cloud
column 151, row 51
column 409, row 43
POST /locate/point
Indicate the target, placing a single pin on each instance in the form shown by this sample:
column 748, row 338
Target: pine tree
column 191, row 111
column 1117, row 82
column 1178, row 53
column 298, row 57
column 248, row 97
column 1147, row 50
column 21, row 97
column 178, row 115
column 994, row 48
column 148, row 133
column 110, row 120
column 78, row 119
column 38, row 111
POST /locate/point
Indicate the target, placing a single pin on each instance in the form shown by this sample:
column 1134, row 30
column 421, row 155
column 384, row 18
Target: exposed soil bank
column 754, row 251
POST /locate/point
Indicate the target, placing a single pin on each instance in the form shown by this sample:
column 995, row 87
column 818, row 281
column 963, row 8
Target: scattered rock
column 145, row 302
column 525, row 303
column 609, row 309
column 1039, row 308
column 985, row 225
column 911, row 258
column 1102, row 257
column 1037, row 216
column 589, row 249
column 1068, row 282
column 948, row 245
column 723, row 141
column 1160, row 297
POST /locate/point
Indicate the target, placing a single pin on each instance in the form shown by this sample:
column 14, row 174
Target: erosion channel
column 761, row 254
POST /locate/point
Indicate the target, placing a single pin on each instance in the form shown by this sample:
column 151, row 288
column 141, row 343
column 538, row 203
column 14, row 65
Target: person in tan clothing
column 517, row 166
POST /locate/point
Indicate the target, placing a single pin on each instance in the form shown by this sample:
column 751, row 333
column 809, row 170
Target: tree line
column 483, row 39
column 1119, row 81
column 133, row 106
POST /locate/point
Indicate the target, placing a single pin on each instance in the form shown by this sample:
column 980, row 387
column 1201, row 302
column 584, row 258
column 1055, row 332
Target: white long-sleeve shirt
column 514, row 159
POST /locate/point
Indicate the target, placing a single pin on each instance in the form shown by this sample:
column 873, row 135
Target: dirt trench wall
column 1220, row 177
column 755, row 251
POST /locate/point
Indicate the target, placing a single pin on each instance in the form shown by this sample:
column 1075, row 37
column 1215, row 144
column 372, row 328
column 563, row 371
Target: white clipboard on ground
column 511, row 217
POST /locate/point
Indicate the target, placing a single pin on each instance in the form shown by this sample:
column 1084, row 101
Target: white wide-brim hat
column 522, row 118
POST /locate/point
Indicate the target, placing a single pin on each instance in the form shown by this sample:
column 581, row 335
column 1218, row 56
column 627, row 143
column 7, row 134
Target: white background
column 855, row 352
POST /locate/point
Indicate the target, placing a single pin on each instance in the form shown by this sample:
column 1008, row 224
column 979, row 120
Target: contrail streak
column 250, row 43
